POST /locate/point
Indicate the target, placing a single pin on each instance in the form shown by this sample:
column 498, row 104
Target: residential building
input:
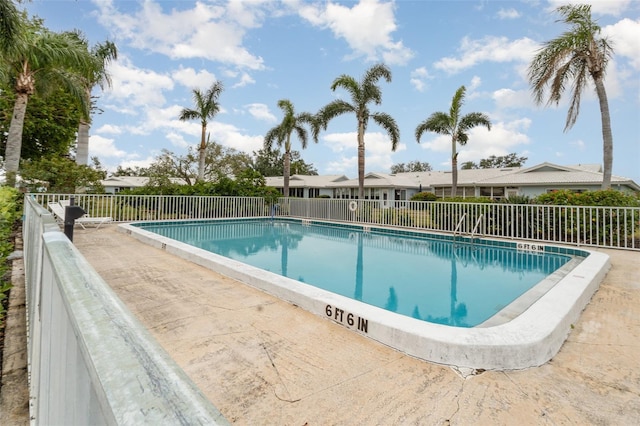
column 392, row 189
column 307, row 186
column 115, row 184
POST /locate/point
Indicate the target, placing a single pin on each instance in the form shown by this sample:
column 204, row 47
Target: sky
column 263, row 51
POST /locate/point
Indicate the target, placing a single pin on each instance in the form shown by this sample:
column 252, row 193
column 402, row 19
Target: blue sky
column 264, row 51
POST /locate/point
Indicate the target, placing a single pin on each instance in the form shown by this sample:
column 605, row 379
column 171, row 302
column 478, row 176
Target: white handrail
column 459, row 225
column 478, row 222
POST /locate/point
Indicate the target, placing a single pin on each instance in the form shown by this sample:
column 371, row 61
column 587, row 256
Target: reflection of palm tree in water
column 456, row 311
column 285, row 238
column 359, row 268
column 284, row 257
column 392, row 300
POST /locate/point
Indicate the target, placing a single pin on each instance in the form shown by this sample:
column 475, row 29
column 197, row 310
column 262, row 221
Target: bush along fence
column 582, row 225
column 10, row 207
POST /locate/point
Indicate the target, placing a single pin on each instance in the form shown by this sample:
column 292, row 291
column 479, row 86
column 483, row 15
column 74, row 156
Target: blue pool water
column 430, row 278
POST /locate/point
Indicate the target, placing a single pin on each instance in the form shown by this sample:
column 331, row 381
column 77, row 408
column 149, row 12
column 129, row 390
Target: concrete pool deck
column 528, row 339
column 264, row 361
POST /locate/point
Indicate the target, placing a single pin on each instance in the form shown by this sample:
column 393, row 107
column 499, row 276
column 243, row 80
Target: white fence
column 129, row 208
column 612, row 227
column 90, row 361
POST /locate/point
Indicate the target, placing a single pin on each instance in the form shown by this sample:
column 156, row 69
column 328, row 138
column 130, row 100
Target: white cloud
column 488, row 49
column 133, row 163
column 475, row 83
column 245, row 79
column 188, row 77
column 512, row 99
column 503, row 139
column 192, row 30
column 378, row 154
column 104, row 147
column 230, row 136
column 343, row 165
column 508, row 14
column 109, row 129
column 135, row 86
column 419, row 77
column 624, row 36
column 598, row 7
column 177, row 140
column 261, row 112
column 367, row 27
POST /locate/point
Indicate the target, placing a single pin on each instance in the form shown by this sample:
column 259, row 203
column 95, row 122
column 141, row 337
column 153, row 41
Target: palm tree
column 456, row 126
column 207, row 107
column 570, row 60
column 9, row 24
column 41, row 60
column 362, row 93
column 281, row 135
column 102, row 54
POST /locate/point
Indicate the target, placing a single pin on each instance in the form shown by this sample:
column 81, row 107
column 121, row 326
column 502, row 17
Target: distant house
column 307, row 186
column 391, row 189
column 527, row 181
column 115, row 184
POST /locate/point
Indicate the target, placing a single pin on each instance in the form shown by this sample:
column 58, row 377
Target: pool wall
column 528, row 340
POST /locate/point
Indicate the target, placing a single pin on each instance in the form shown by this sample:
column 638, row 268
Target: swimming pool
column 435, row 280
column 522, row 324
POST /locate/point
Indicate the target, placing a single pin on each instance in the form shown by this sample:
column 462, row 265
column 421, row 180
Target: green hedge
column 9, row 214
column 600, row 214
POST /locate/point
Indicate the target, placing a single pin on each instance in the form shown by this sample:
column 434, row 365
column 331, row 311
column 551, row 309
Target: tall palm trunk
column 453, row 292
column 361, row 130
column 82, row 149
column 287, row 171
column 202, row 153
column 454, row 167
column 82, row 152
column 607, row 137
column 14, row 138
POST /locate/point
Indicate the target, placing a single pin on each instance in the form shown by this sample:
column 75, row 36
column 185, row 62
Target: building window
column 296, row 192
column 314, row 192
column 492, row 192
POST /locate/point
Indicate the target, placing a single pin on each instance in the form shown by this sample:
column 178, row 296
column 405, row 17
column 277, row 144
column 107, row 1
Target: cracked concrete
column 264, row 361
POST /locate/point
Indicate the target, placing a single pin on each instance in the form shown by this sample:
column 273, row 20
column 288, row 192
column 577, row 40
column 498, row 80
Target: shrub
column 9, row 214
column 517, row 199
column 609, row 197
column 424, row 196
column 466, row 200
column 596, row 221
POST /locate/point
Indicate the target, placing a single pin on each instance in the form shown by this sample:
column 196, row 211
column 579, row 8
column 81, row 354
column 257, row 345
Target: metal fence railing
column 613, row 227
column 90, row 361
column 130, row 208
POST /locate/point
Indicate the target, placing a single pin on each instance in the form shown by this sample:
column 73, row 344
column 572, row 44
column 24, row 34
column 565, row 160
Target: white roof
column 379, row 180
column 131, row 181
column 305, row 181
column 541, row 174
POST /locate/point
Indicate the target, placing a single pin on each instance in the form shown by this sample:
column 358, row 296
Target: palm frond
column 438, row 122
column 388, row 123
column 456, row 104
column 474, row 119
column 302, row 135
column 347, row 83
column 189, row 114
column 332, row 110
